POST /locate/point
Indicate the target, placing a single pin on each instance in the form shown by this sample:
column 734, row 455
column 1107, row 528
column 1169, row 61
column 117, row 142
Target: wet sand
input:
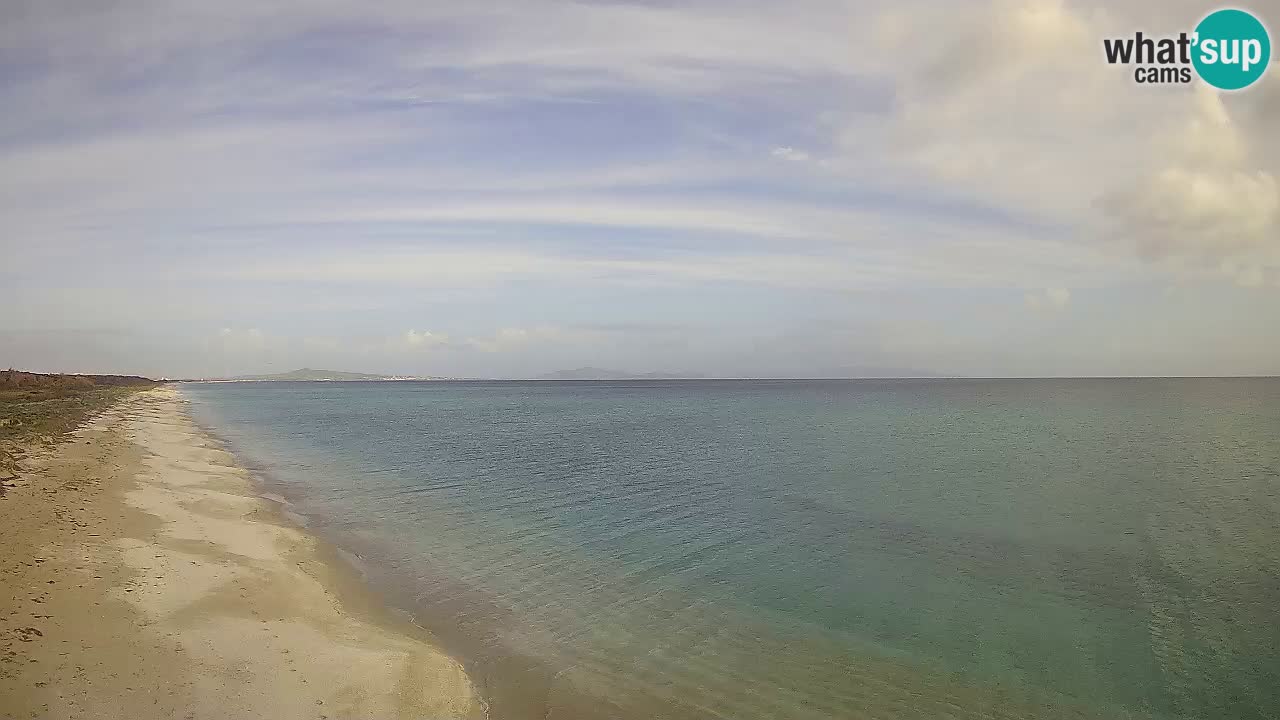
column 141, row 576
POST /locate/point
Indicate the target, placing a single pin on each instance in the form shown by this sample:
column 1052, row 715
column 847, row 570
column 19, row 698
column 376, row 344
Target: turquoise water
column 806, row 549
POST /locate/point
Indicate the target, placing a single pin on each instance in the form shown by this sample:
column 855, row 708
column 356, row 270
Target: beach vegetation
column 39, row 408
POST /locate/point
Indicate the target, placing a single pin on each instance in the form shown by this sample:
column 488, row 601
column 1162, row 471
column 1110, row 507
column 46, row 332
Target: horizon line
column 641, row 378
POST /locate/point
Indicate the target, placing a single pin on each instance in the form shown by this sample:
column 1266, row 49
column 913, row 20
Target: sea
column 804, row 549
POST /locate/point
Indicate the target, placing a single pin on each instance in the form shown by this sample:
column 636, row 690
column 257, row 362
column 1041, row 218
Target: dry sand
column 142, row 577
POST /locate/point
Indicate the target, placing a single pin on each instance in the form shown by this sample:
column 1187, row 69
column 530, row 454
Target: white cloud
column 1048, row 299
column 517, row 338
column 962, row 262
column 425, row 339
column 251, row 334
column 1013, row 106
column 1210, row 195
column 790, row 154
column 1248, row 275
column 1200, row 211
column 235, row 341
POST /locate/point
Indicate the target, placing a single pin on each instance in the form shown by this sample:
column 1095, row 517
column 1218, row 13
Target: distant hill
column 595, row 373
column 313, row 375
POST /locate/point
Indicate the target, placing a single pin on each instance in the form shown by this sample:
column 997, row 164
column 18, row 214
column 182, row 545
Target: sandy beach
column 142, row 576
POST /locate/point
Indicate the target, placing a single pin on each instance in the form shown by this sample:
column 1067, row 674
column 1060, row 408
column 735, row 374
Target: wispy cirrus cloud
column 335, row 172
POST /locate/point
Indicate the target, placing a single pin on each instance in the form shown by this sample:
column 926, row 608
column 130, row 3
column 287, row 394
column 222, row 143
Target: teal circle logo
column 1231, row 49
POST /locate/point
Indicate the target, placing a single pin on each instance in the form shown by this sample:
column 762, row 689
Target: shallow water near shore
column 805, row 549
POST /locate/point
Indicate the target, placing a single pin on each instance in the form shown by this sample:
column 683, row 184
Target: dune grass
column 38, row 408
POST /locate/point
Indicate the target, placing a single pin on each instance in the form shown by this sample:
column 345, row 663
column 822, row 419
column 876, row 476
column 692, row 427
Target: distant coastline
column 586, row 373
column 313, row 375
column 566, row 376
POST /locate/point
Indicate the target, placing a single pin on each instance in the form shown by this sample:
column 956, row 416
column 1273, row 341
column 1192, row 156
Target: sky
column 494, row 189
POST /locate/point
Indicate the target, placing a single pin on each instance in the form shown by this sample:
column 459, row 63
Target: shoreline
column 145, row 576
column 508, row 685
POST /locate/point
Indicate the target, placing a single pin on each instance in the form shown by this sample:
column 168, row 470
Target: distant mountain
column 595, row 373
column 313, row 375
